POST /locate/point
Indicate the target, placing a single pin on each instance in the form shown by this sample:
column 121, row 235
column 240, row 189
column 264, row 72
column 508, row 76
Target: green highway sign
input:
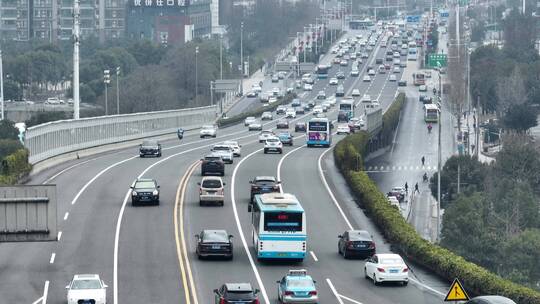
column 437, row 60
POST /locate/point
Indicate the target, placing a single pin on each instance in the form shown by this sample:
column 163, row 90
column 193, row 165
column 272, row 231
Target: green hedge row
column 403, row 236
column 269, row 107
column 14, row 167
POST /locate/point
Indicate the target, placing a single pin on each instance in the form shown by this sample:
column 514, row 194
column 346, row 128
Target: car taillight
column 372, row 245
column 222, row 301
column 405, row 269
column 289, row 293
column 313, row 293
column 380, row 269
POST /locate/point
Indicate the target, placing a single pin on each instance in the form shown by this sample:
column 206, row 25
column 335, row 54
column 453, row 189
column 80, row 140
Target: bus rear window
column 281, row 221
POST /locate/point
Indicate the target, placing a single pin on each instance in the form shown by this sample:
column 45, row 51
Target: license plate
column 393, row 271
column 216, row 247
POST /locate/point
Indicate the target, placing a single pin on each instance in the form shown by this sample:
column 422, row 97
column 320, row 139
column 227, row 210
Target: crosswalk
column 384, row 169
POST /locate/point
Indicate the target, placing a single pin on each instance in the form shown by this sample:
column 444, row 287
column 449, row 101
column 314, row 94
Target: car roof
column 238, row 287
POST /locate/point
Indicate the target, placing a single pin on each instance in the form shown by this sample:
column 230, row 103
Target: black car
column 144, row 191
column 214, row 243
column 150, row 148
column 356, row 243
column 212, row 164
column 282, row 124
column 236, row 293
column 263, row 184
column 300, row 127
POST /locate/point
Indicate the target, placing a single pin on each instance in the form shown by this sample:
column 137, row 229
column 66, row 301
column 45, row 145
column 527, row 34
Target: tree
column 520, row 118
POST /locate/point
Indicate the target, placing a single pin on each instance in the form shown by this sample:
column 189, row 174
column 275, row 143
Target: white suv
column 273, row 144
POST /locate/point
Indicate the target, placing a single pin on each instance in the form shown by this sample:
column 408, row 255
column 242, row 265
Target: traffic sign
column 437, row 60
column 456, row 292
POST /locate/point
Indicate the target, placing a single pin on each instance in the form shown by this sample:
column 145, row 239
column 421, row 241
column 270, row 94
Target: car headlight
column 155, row 192
column 134, row 193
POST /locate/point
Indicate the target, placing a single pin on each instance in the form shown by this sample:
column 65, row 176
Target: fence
column 54, row 138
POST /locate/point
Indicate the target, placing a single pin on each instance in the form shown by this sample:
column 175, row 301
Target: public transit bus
column 279, row 227
column 322, row 71
column 319, row 132
column 431, row 113
column 346, row 106
column 419, row 79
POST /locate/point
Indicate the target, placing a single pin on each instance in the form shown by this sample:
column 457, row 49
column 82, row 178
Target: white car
column 255, row 126
column 273, row 144
column 249, row 120
column 371, row 72
column 333, row 81
column 225, row 151
column 290, row 113
column 355, row 92
column 392, row 78
column 422, row 88
column 343, row 129
column 308, row 87
column 237, row 148
column 86, row 288
column 387, row 267
column 208, row 131
column 265, row 135
column 366, row 78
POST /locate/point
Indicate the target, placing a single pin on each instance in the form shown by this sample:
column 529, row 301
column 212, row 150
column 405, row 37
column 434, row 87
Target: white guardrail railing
column 58, row 137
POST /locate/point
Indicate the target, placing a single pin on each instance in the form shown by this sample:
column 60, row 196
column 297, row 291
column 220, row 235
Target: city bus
column 431, row 113
column 322, row 71
column 319, row 132
column 279, row 227
column 346, row 109
column 419, row 79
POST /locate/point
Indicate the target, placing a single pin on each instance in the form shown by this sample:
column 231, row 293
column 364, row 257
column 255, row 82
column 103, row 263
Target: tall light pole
column 242, row 58
column 106, row 81
column 196, row 76
column 2, row 85
column 117, row 90
column 76, row 23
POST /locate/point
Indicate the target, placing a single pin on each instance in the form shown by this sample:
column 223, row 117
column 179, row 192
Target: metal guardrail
column 58, row 137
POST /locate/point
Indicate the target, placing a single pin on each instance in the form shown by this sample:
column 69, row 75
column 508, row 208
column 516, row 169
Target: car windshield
column 86, row 284
column 211, row 183
column 215, row 236
column 299, row 283
column 145, row 184
column 390, row 261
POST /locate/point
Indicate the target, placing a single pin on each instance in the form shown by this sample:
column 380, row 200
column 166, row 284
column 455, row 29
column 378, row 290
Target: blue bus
column 322, row 71
column 319, row 132
column 278, row 227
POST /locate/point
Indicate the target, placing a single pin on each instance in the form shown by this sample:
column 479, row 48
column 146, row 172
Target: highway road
column 146, row 254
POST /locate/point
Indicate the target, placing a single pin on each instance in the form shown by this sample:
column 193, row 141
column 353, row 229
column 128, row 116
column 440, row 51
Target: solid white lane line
column 45, row 292
column 334, row 291
column 240, row 231
column 59, row 236
column 323, row 178
column 53, row 255
column 349, row 299
column 66, row 216
column 313, row 256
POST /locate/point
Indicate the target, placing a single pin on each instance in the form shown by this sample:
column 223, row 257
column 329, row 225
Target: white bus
column 431, row 113
column 278, row 227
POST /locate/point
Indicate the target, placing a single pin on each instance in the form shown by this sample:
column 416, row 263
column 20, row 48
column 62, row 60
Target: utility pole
column 2, row 86
column 242, row 58
column 196, row 77
column 106, row 81
column 117, row 90
column 76, row 41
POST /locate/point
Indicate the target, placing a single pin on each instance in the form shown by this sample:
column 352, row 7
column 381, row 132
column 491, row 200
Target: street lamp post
column 106, row 81
column 117, row 90
column 242, row 58
column 196, row 76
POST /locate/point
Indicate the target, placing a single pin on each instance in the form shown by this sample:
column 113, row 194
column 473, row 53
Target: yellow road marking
column 180, row 239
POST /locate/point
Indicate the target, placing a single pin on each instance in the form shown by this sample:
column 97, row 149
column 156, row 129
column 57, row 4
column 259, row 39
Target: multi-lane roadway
column 147, row 254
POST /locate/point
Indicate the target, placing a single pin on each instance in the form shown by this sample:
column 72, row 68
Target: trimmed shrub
column 403, row 236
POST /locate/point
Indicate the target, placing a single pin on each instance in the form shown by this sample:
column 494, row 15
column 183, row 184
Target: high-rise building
column 14, row 20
